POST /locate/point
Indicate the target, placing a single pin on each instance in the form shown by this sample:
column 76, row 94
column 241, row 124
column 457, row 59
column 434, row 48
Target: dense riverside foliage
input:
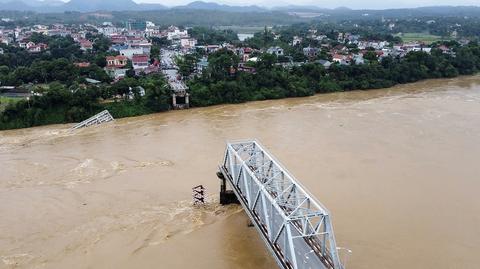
column 62, row 104
column 222, row 83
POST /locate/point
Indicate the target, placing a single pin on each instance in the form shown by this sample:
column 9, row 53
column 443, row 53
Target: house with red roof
column 140, row 61
column 118, row 39
column 116, row 66
column 342, row 59
column 36, row 48
column 244, row 53
column 85, row 44
column 116, row 61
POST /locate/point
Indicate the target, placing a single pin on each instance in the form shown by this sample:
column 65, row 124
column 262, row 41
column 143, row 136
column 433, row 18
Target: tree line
column 65, row 97
column 223, row 83
column 74, row 103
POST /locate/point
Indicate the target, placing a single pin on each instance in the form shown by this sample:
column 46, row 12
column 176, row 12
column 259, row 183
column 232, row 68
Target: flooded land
column 398, row 169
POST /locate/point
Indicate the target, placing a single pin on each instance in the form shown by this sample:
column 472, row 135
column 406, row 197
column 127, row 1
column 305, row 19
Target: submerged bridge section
column 296, row 228
column 101, row 117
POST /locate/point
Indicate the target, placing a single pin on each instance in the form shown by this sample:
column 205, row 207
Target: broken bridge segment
column 295, row 227
column 99, row 118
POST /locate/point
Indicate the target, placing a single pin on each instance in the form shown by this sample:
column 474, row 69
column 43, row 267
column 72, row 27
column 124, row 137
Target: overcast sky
column 357, row 4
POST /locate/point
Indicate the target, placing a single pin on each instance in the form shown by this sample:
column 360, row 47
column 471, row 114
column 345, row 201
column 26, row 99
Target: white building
column 296, row 41
column 175, row 34
column 117, row 73
column 140, row 62
column 188, row 42
column 275, row 50
column 109, row 30
column 150, row 24
column 130, row 52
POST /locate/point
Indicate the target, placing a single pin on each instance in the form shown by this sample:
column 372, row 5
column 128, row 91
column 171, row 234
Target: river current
column 398, row 169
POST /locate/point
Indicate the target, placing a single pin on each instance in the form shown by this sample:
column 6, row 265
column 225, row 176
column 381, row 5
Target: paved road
column 169, row 68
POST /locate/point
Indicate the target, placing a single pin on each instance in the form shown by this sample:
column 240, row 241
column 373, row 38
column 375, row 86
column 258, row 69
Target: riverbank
column 221, row 83
column 130, row 110
column 127, row 109
column 5, row 101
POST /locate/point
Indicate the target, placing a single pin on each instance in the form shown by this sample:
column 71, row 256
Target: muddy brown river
column 399, row 170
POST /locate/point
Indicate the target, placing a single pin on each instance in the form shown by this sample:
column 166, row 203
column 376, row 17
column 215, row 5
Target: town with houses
column 131, row 47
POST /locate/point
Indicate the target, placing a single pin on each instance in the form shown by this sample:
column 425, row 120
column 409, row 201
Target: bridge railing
column 294, row 225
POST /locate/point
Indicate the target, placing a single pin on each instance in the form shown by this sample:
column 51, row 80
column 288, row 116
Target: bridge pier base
column 226, row 196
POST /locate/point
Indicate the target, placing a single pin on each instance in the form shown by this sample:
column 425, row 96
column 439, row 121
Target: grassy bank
column 64, row 114
column 5, row 101
column 242, row 29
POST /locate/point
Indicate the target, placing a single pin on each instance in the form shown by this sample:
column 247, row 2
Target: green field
column 421, row 37
column 242, row 29
column 4, row 101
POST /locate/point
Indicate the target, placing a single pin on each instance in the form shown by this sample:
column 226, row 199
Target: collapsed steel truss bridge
column 296, row 228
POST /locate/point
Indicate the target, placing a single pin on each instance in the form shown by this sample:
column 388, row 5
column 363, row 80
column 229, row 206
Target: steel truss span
column 296, row 228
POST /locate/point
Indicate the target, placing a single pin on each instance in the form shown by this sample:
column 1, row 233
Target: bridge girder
column 295, row 226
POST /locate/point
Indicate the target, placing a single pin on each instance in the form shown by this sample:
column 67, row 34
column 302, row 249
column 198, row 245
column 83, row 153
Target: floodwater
column 399, row 170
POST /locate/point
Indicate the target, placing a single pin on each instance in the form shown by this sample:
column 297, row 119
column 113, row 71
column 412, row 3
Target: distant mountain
column 95, row 5
column 298, row 8
column 52, row 6
column 342, row 9
column 460, row 11
column 145, row 7
column 41, row 3
column 15, row 5
column 200, row 5
column 76, row 5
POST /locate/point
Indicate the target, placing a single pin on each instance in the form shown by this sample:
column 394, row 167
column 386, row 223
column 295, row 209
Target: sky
column 362, row 4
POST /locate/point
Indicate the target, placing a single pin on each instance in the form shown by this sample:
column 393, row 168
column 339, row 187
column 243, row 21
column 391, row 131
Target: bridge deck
column 296, row 228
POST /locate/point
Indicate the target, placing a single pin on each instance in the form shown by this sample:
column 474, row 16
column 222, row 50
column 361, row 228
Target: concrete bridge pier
column 226, row 196
column 180, row 100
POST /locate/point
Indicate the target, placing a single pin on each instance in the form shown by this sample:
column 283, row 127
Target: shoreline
column 381, row 92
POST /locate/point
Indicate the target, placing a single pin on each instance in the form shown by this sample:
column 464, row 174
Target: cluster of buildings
column 131, row 50
column 344, row 49
column 20, row 36
column 132, row 45
column 348, row 49
column 129, row 42
column 32, row 47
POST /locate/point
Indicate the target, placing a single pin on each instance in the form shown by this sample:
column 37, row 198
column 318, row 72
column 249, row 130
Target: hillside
column 200, row 5
column 57, row 6
column 95, row 5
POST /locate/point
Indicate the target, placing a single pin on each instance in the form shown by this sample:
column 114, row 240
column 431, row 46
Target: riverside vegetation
column 220, row 85
column 67, row 97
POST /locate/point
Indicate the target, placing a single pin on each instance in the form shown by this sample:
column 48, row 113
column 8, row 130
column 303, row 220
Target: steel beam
column 296, row 228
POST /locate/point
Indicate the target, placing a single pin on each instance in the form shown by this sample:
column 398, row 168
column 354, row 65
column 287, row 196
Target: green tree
column 221, row 64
